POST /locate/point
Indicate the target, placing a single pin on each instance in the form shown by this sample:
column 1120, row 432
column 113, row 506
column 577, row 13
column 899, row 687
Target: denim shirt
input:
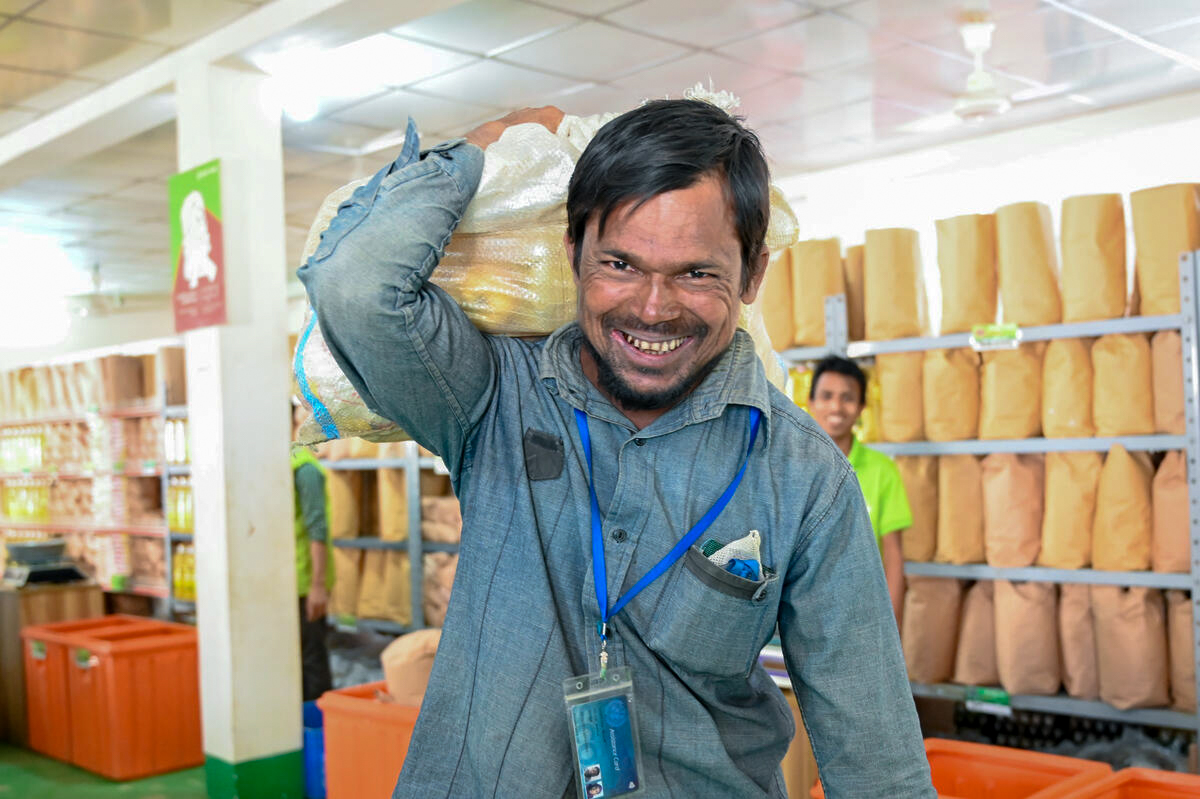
column 523, row 613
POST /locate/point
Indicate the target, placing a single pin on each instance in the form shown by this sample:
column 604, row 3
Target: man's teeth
column 653, row 346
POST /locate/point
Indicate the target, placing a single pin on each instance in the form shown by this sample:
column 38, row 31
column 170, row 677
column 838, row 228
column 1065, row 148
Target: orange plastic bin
column 1140, row 783
column 46, row 692
column 134, row 696
column 365, row 741
column 978, row 771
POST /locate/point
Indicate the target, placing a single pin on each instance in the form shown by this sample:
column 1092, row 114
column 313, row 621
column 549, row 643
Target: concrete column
column 237, row 407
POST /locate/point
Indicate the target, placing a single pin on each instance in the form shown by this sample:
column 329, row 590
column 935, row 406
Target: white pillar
column 237, row 401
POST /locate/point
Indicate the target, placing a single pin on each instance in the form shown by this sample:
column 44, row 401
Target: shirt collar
column 855, row 451
column 737, row 379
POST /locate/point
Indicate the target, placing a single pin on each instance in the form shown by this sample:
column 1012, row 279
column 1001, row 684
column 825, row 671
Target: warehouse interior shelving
column 1186, row 323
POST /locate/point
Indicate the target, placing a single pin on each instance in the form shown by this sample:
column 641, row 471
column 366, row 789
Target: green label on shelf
column 82, row 658
column 346, row 621
column 37, row 649
column 119, row 582
column 995, row 701
column 995, row 337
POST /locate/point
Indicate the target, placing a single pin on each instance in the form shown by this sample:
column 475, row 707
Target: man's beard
column 630, row 399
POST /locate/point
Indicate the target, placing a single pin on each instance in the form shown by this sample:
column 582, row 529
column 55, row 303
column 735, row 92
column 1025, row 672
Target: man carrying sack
column 641, row 509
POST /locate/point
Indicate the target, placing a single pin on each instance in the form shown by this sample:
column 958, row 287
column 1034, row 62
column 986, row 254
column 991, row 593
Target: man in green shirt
column 836, row 400
column 314, row 572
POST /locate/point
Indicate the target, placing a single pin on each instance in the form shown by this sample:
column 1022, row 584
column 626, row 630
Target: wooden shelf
column 143, row 530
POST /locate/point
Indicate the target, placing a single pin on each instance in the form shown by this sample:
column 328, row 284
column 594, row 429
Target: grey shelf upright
column 412, row 463
column 1186, row 323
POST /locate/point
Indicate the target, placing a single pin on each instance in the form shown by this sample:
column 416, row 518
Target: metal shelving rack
column 1186, row 323
column 412, row 463
column 174, row 605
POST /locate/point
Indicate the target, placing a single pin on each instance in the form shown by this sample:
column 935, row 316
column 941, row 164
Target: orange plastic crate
column 978, row 771
column 365, row 741
column 46, row 692
column 1140, row 783
column 134, row 697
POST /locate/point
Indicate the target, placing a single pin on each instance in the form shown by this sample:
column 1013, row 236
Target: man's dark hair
column 841, row 366
column 667, row 145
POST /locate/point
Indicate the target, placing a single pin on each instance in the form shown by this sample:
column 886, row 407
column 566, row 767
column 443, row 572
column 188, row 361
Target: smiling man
column 641, row 509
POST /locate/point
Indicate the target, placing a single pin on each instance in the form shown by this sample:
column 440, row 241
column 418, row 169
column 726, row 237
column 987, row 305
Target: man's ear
column 569, row 246
column 751, row 291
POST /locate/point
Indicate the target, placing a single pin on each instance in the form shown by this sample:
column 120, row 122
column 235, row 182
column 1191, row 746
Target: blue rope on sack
column 320, row 412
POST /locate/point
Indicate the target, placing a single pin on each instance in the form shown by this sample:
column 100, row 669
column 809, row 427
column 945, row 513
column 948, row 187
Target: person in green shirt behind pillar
column 314, row 568
column 836, row 400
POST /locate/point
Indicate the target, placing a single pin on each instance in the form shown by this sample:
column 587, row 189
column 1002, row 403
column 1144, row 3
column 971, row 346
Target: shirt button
column 641, row 442
column 619, row 536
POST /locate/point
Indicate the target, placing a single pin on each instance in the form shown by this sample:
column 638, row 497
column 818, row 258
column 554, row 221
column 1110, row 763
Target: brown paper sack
column 1170, row 549
column 951, row 394
column 777, row 301
column 345, row 499
column 1071, row 482
column 1026, row 264
column 1013, row 492
column 930, row 631
column 1166, row 365
column 372, row 590
column 1183, row 659
column 1077, row 635
column 1093, row 257
column 920, row 477
column 893, row 289
column 901, row 417
column 347, row 569
column 852, row 268
column 440, row 569
column 443, row 510
column 397, row 578
column 407, row 663
column 393, row 505
column 1067, row 389
column 1010, row 394
column 1122, row 528
column 1131, row 645
column 1027, row 637
column 1122, row 385
column 967, row 261
column 1166, row 224
column 816, row 274
column 960, row 510
column 975, row 663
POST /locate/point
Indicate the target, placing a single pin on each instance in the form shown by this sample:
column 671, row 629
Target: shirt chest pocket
column 710, row 621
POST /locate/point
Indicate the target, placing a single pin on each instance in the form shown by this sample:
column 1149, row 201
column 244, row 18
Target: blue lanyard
column 599, row 573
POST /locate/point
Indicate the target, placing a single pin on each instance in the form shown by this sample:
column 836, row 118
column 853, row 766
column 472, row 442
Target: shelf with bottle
column 176, row 447
column 180, row 505
column 143, row 530
column 183, row 573
column 121, row 412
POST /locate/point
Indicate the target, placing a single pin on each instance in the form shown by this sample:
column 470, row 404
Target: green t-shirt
column 882, row 489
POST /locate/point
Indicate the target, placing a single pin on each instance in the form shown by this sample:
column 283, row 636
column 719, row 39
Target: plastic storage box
column 1140, row 783
column 46, row 691
column 979, row 771
column 314, row 752
column 365, row 741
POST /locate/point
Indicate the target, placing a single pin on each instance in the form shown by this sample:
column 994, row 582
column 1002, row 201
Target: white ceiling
column 824, row 82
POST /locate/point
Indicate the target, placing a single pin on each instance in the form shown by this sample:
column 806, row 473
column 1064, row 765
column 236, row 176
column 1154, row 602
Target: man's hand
column 316, row 604
column 489, row 132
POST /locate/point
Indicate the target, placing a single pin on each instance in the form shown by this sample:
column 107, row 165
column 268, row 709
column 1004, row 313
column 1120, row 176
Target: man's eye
column 620, row 266
column 698, row 274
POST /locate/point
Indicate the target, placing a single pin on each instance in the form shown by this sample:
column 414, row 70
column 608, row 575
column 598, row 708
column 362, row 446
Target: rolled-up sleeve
column 403, row 343
column 843, row 655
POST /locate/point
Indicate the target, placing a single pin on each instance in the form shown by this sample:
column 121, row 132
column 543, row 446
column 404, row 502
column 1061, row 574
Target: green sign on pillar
column 197, row 251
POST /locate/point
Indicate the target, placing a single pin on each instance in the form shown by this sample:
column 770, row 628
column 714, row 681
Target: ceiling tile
column 922, row 19
column 129, row 165
column 493, row 83
column 157, row 141
column 593, row 51
column 794, row 97
column 1027, row 35
column 486, row 26
column 80, row 183
column 723, row 73
column 401, row 61
column 328, row 133
column 815, row 43
column 134, row 57
column 31, row 45
column 131, row 19
column 114, row 212
column 1141, row 17
column 586, row 100
column 585, row 7
column 392, row 110
column 706, row 23
column 13, row 118
column 189, row 21
column 17, row 84
column 63, row 92
column 144, row 191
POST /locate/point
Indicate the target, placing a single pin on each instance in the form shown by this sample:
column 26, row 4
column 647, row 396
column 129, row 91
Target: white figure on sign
column 197, row 246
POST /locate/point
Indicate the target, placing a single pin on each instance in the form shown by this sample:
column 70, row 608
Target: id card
column 608, row 761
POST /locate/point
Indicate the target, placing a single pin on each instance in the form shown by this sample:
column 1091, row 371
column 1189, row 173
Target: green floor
column 25, row 775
